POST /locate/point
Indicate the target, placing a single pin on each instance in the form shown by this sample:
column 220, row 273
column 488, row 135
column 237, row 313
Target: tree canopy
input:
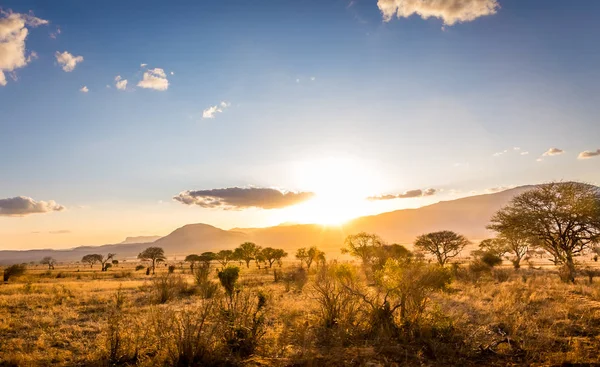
column 563, row 218
column 443, row 245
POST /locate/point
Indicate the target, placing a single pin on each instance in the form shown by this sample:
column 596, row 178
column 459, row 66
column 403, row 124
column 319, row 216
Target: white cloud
column 55, row 34
column 84, row 89
column 450, row 11
column 312, row 78
column 13, row 33
column 589, row 154
column 172, row 73
column 553, row 151
column 67, row 61
column 120, row 83
column 524, row 153
column 498, row 154
column 154, row 79
column 143, row 65
column 211, row 111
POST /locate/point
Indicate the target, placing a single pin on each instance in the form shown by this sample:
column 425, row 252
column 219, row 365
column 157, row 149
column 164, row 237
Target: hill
column 468, row 216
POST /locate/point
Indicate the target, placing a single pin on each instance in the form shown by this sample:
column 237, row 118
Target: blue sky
column 399, row 105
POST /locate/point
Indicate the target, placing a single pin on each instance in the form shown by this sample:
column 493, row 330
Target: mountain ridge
column 468, row 216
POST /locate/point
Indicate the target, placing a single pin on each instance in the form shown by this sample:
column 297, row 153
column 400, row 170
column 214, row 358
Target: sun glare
column 340, row 187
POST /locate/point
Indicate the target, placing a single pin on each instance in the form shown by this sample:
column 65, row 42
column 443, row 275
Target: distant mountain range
column 467, row 216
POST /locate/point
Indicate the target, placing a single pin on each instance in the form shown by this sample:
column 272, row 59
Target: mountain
column 140, row 239
column 467, row 216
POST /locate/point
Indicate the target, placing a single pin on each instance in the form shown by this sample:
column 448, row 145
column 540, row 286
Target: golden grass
column 45, row 320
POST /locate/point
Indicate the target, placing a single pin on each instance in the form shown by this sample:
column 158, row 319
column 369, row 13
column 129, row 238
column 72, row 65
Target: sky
column 129, row 118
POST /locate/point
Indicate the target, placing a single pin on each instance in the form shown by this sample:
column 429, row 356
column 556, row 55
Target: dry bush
column 337, row 305
column 190, row 335
column 168, row 286
column 206, row 287
column 296, row 278
column 14, row 271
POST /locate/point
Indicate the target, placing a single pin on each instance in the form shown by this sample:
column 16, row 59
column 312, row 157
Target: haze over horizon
column 240, row 114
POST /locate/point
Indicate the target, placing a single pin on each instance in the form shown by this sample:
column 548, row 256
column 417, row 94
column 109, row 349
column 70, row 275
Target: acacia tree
column 192, row 259
column 271, row 255
column 443, row 245
column 207, row 257
column 48, row 260
column 302, row 255
column 563, row 218
column 105, row 261
column 362, row 245
column 91, row 259
column 224, row 257
column 314, row 255
column 507, row 243
column 246, row 252
column 154, row 254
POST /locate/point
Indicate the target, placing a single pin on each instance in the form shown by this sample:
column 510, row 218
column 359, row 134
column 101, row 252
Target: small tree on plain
column 363, row 246
column 91, row 259
column 271, row 255
column 563, row 218
column 443, row 245
column 154, row 254
column 14, row 271
column 192, row 259
column 48, row 260
column 224, row 257
column 246, row 252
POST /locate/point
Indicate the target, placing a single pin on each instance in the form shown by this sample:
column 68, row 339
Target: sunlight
column 340, row 186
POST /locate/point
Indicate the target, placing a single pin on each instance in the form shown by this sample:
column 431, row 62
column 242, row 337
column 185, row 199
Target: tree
column 362, row 245
column 509, row 243
column 246, row 252
column 224, row 257
column 302, row 255
column 563, row 218
column 115, row 262
column 271, row 255
column 154, row 254
column 386, row 252
column 105, row 261
column 13, row 271
column 207, row 257
column 48, row 260
column 443, row 245
column 192, row 259
column 314, row 255
column 91, row 259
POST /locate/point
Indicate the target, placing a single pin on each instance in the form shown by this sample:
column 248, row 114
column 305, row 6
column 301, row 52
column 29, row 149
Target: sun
column 341, row 186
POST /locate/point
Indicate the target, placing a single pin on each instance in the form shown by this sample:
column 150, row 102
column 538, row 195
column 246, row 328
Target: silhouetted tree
column 106, row 261
column 91, row 259
column 48, row 260
column 192, row 259
column 154, row 254
column 302, row 255
column 207, row 257
column 563, row 218
column 271, row 255
column 362, row 245
column 224, row 257
column 443, row 245
column 246, row 252
column 314, row 255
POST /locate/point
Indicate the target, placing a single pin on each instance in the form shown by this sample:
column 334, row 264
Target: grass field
column 77, row 316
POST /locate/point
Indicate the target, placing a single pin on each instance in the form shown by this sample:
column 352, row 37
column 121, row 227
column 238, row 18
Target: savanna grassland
column 281, row 316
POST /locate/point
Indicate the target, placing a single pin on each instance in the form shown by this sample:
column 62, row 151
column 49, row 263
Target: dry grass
column 85, row 317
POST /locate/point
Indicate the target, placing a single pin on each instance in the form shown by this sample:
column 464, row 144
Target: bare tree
column 362, row 245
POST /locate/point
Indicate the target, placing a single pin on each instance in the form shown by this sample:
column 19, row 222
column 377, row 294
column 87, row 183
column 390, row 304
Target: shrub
column 228, row 278
column 297, row 277
column 191, row 335
column 501, row 275
column 14, row 271
column 139, row 267
column 491, row 259
column 171, row 269
column 206, row 287
column 244, row 318
column 337, row 305
column 167, row 287
column 590, row 273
